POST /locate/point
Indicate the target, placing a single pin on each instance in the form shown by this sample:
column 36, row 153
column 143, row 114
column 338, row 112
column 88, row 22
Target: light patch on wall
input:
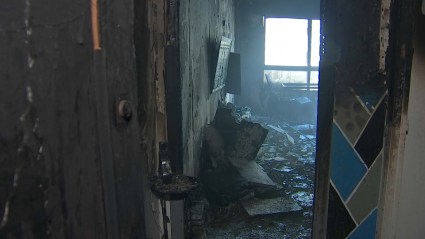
column 315, row 43
column 423, row 7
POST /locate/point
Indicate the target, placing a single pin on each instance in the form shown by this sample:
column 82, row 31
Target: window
column 292, row 50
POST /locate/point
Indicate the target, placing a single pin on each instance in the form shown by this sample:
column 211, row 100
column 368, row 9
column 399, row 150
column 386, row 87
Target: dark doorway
column 279, row 47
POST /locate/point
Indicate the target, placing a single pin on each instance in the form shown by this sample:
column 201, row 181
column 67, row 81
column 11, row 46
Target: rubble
column 224, row 187
column 303, row 100
column 303, row 110
column 242, row 113
column 249, row 139
column 304, row 127
column 227, row 183
column 256, row 207
column 252, row 172
column 269, row 176
column 180, row 184
column 196, row 213
column 277, row 129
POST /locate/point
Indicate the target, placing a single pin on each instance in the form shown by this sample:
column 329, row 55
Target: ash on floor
column 287, row 156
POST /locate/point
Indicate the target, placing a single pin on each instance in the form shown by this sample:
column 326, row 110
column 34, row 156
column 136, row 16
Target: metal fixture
column 124, row 110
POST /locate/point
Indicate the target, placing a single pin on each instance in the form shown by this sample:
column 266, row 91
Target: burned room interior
column 207, row 119
column 257, row 156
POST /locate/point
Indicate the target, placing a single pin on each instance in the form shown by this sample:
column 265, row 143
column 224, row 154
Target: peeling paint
column 5, row 216
column 29, row 94
column 28, row 29
column 385, row 24
column 35, row 125
column 16, row 177
column 30, row 61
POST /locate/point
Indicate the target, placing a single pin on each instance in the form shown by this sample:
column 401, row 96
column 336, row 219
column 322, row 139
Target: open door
column 78, row 124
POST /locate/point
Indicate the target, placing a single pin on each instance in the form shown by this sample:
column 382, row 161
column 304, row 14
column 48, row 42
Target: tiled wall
column 356, row 163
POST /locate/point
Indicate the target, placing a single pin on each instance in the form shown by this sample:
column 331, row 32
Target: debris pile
column 257, row 176
column 229, row 170
column 179, row 185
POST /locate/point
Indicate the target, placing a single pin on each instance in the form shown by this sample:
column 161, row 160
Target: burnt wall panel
column 121, row 79
column 358, row 44
column 201, row 26
column 51, row 181
column 58, row 98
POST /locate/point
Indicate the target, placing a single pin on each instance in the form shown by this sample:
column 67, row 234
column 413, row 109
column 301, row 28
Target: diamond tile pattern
column 357, row 140
column 366, row 197
column 371, row 141
column 350, row 115
column 367, row 229
column 370, row 95
column 340, row 223
column 346, row 167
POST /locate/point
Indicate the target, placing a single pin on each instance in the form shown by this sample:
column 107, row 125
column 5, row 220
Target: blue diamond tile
column 367, row 229
column 346, row 167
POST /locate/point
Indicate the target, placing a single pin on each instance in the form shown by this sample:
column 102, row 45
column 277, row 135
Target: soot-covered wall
column 411, row 210
column 70, row 167
column 201, row 25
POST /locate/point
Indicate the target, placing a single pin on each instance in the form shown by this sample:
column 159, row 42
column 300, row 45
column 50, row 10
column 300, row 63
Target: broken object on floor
column 249, row 139
column 224, row 187
column 256, row 207
column 252, row 172
column 235, row 172
column 287, row 161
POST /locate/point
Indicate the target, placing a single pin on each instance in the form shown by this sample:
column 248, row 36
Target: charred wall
column 411, row 209
column 51, row 178
column 70, row 166
column 201, row 26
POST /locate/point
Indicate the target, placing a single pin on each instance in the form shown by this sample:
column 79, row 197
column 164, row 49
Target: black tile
column 340, row 223
column 370, row 143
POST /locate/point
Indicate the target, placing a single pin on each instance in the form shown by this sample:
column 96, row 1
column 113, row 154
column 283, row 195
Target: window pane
column 314, row 77
column 286, row 42
column 278, row 77
column 315, row 43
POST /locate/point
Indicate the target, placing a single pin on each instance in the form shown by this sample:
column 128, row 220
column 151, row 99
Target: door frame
column 396, row 52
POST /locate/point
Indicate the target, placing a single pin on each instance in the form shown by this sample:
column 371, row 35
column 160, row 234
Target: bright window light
column 314, row 77
column 315, row 42
column 286, row 42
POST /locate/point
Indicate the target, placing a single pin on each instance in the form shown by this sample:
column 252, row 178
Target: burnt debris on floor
column 256, row 178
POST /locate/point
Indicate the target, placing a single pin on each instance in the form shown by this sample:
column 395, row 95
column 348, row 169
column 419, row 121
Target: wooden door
column 72, row 166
